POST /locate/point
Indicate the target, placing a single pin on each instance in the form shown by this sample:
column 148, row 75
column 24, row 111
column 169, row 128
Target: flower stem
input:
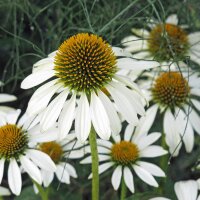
column 43, row 193
column 123, row 190
column 95, row 164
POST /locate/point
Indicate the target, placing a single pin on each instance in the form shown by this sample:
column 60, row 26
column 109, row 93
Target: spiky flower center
column 124, row 153
column 53, row 149
column 170, row 89
column 85, row 62
column 13, row 141
column 168, row 42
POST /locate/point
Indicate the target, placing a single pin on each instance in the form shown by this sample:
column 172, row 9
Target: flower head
column 16, row 149
column 125, row 156
column 85, row 80
column 61, row 152
column 175, row 95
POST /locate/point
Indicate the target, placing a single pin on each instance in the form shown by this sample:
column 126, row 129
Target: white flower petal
column 119, row 52
column 43, row 64
column 36, row 78
column 4, row 191
column 83, row 120
column 104, row 143
column 195, row 120
column 115, row 122
column 173, row 139
column 132, row 64
column 172, row 19
column 53, row 110
column 124, row 105
column 116, row 177
column 62, row 174
column 194, row 38
column 128, row 179
column 13, row 116
column 99, row 117
column 31, row 169
column 41, row 159
column 140, row 32
column 143, row 142
column 71, row 170
column 128, row 132
column 152, row 151
column 66, row 117
column 47, row 177
column 41, row 98
column 2, row 161
column 103, row 167
column 7, row 98
column 14, row 177
column 196, row 103
column 152, row 169
column 186, row 190
column 145, row 176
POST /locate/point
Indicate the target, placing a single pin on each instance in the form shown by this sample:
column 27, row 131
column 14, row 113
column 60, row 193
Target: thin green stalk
column 95, row 165
column 43, row 192
column 123, row 190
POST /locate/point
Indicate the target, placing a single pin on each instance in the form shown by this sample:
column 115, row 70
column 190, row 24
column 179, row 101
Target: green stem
column 123, row 190
column 95, row 164
column 43, row 192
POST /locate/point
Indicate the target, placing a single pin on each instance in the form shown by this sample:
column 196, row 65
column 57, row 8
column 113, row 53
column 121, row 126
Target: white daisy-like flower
column 175, row 95
column 185, row 190
column 125, row 156
column 84, row 71
column 16, row 139
column 164, row 41
column 6, row 98
column 61, row 152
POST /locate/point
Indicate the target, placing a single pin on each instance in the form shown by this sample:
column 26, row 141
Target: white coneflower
column 61, row 152
column 16, row 149
column 84, row 71
column 165, row 42
column 125, row 156
column 175, row 95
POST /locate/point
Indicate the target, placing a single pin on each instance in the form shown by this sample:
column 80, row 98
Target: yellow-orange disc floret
column 168, row 42
column 53, row 149
column 124, row 153
column 85, row 62
column 13, row 141
column 170, row 89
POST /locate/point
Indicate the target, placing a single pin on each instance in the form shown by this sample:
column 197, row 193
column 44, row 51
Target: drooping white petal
column 99, row 117
column 196, row 103
column 41, row 159
column 173, row 139
column 194, row 38
column 151, row 168
column 145, row 176
column 115, row 122
column 124, row 105
column 7, row 98
column 195, row 120
column 62, row 174
column 41, row 98
column 186, row 190
column 104, row 143
column 83, row 120
column 116, row 177
column 66, row 117
column 47, row 177
column 140, row 32
column 2, row 161
column 172, row 19
column 128, row 179
column 71, row 170
column 128, row 132
column 36, row 78
column 14, row 177
column 31, row 169
column 152, row 151
column 148, row 119
column 132, row 64
column 43, row 65
column 53, row 110
column 186, row 130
